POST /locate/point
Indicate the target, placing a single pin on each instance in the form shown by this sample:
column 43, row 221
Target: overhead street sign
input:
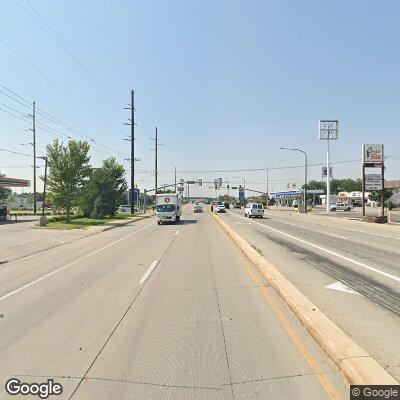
column 190, row 182
column 372, row 153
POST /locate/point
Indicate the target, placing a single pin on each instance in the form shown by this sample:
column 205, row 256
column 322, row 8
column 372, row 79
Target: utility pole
column 34, row 154
column 132, row 151
column 175, row 178
column 156, row 160
column 268, row 167
column 45, row 183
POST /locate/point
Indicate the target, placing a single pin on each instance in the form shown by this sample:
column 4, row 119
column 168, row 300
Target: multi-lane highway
column 350, row 269
column 156, row 312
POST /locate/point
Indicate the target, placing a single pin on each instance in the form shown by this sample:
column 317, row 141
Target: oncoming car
column 254, row 210
column 219, row 208
column 198, row 208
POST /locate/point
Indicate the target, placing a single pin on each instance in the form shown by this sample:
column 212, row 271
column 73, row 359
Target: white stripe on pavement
column 176, row 233
column 339, row 227
column 360, row 264
column 336, row 236
column 70, row 264
column 149, row 271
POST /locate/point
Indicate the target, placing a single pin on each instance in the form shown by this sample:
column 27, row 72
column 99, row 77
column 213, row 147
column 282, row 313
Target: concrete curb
column 356, row 364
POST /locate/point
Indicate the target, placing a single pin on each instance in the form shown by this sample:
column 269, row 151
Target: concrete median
column 355, row 363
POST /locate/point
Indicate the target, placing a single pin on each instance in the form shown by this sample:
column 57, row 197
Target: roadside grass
column 256, row 249
column 83, row 222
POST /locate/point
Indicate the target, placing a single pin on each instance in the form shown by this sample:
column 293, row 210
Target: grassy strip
column 79, row 222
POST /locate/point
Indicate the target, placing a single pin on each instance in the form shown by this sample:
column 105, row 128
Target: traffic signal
column 227, row 186
column 200, row 182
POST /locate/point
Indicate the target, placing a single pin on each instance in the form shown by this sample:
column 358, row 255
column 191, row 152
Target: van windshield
column 165, row 207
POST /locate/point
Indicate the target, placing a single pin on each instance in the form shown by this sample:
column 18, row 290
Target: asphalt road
column 155, row 312
column 350, row 269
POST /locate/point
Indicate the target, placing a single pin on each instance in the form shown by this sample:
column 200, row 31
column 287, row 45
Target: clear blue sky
column 227, row 82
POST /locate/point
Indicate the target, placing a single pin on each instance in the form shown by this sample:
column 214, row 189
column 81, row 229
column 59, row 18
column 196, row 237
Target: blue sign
column 136, row 193
column 241, row 195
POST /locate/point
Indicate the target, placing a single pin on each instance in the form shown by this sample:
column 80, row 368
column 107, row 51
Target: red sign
column 13, row 182
column 167, row 200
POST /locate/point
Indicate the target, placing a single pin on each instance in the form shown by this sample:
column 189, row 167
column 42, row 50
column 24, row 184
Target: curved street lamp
column 305, row 175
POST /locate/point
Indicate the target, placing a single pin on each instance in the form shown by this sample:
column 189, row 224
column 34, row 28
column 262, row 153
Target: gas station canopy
column 14, row 182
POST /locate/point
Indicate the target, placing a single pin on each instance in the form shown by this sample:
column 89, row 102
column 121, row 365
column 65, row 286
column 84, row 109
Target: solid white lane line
column 360, row 264
column 176, row 233
column 340, row 227
column 149, row 271
column 71, row 263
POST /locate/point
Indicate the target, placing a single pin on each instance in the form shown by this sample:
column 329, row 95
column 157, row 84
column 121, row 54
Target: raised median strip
column 356, row 364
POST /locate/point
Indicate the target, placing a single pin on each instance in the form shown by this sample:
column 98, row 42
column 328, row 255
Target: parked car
column 219, row 208
column 340, row 207
column 127, row 208
column 254, row 210
column 237, row 205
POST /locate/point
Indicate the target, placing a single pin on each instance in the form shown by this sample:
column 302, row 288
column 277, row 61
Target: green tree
column 315, row 185
column 105, row 190
column 376, row 195
column 226, row 199
column 5, row 193
column 69, row 168
column 337, row 185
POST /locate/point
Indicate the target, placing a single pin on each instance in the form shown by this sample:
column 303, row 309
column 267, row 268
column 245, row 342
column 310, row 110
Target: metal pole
column 363, row 189
column 175, row 177
column 155, row 162
column 144, row 201
column 34, row 155
column 44, row 183
column 383, row 190
column 328, row 182
column 305, row 184
column 132, row 151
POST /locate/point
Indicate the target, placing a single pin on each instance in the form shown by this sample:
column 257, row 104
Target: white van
column 254, row 210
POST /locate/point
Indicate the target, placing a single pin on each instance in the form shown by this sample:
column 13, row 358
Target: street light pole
column 268, row 167
column 305, row 175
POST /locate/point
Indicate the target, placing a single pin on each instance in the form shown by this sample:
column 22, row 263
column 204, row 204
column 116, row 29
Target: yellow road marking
column 310, row 359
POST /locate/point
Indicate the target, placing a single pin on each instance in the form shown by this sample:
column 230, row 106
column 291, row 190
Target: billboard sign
column 241, row 195
column 328, row 129
column 372, row 153
column 373, row 182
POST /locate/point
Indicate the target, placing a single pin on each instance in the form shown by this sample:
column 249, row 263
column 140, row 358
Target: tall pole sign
column 373, row 157
column 328, row 130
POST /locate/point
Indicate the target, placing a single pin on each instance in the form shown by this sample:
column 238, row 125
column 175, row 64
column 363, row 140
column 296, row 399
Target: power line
column 52, row 81
column 15, row 152
column 91, row 38
column 42, row 23
column 55, row 120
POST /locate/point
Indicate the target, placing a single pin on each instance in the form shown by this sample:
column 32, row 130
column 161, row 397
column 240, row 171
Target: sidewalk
column 20, row 239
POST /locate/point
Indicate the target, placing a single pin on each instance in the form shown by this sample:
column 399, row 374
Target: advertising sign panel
column 373, row 182
column 372, row 153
